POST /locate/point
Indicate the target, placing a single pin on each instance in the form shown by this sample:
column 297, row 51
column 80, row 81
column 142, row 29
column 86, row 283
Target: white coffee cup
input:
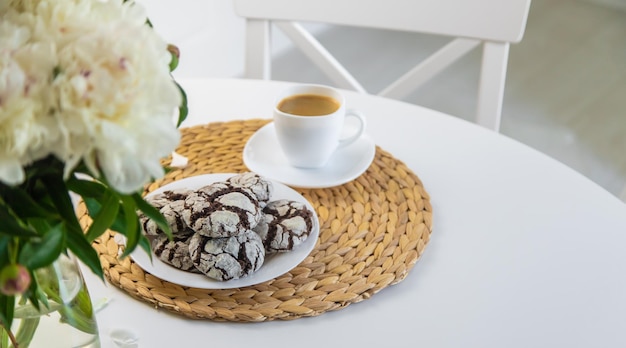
column 310, row 141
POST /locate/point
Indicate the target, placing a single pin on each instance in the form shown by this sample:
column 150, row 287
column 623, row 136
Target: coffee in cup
column 309, row 120
column 308, row 105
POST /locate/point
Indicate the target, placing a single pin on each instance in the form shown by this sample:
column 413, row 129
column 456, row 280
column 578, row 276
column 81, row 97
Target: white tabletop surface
column 525, row 252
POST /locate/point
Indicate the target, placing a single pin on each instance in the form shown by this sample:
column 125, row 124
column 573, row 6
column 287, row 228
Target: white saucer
column 263, row 155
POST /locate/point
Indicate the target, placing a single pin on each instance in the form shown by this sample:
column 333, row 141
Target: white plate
column 274, row 265
column 263, row 155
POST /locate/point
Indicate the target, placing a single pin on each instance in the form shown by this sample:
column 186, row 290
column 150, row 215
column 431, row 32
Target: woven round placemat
column 372, row 231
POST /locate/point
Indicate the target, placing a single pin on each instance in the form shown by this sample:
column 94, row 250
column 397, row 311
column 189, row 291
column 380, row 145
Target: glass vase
column 67, row 321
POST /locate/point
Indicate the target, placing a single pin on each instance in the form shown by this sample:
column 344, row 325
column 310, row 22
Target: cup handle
column 349, row 140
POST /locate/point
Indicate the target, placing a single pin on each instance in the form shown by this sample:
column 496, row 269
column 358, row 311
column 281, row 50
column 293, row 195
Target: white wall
column 209, row 34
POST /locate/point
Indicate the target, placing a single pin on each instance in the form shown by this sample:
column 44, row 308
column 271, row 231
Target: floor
column 566, row 83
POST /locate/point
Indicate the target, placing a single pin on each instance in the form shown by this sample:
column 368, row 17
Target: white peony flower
column 25, row 125
column 117, row 99
column 85, row 80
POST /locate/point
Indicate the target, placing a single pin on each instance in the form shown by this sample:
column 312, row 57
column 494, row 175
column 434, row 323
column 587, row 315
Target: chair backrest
column 492, row 24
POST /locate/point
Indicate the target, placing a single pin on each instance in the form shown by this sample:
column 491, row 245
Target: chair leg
column 258, row 49
column 492, row 79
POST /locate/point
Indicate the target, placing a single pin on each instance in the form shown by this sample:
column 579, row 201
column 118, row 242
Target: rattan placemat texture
column 372, row 231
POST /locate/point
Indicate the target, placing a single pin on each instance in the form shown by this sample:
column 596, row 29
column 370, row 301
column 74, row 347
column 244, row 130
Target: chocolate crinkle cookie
column 160, row 199
column 285, row 225
column 227, row 258
column 221, row 210
column 175, row 252
column 261, row 187
column 170, row 203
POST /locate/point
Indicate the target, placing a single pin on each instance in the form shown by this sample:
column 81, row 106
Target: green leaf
column 34, row 293
column 11, row 225
column 77, row 243
column 7, row 304
column 174, row 61
column 144, row 243
column 109, row 209
column 183, row 110
column 132, row 241
column 48, row 166
column 4, row 336
column 29, row 311
column 118, row 225
column 23, row 204
column 4, row 249
column 132, row 230
column 76, row 239
column 86, row 188
column 153, row 214
column 93, row 206
column 27, row 329
column 37, row 254
column 60, row 197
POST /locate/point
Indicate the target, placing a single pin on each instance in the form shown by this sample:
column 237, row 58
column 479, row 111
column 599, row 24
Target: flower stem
column 26, row 332
column 6, row 331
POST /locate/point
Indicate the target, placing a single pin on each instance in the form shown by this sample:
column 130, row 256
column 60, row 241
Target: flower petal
column 11, row 171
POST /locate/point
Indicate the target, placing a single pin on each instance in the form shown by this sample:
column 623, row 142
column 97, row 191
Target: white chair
column 494, row 24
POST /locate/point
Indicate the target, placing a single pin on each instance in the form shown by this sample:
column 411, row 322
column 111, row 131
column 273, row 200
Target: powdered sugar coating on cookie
column 170, row 203
column 174, row 252
column 227, row 258
column 285, row 225
column 160, row 199
column 221, row 210
column 261, row 187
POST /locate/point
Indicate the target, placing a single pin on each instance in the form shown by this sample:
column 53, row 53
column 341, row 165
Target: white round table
column 525, row 252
